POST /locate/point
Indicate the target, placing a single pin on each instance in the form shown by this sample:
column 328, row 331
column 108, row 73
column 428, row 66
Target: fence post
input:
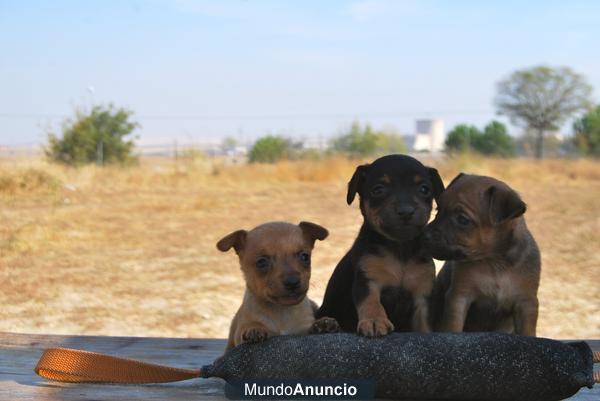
column 100, row 153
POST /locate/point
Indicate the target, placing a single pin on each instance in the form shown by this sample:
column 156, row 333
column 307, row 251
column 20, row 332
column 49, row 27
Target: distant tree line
column 495, row 140
column 540, row 99
column 360, row 141
column 492, row 140
column 357, row 141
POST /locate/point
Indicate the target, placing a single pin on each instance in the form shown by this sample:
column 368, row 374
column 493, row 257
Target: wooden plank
column 19, row 354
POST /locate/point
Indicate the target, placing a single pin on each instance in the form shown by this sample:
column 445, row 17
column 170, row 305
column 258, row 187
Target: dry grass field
column 131, row 251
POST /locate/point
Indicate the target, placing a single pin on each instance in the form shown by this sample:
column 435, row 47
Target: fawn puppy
column 275, row 260
column 492, row 271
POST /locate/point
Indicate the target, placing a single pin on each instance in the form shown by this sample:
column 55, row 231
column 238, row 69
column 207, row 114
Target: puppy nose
column 405, row 211
column 291, row 282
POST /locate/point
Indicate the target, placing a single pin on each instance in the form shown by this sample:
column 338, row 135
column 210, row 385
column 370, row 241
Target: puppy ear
column 313, row 232
column 504, row 204
column 455, row 179
column 236, row 239
column 355, row 182
column 436, row 182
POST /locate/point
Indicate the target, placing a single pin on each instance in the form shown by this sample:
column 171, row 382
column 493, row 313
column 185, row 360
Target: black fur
column 396, row 234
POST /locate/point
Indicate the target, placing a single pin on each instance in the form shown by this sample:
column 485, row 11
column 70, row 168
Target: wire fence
column 174, row 149
column 162, row 149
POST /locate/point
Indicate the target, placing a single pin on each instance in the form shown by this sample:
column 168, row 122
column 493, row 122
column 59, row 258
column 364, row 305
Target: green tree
column 587, row 133
column 270, row 149
column 462, row 138
column 362, row 141
column 495, row 140
column 97, row 136
column 542, row 98
column 390, row 142
column 358, row 141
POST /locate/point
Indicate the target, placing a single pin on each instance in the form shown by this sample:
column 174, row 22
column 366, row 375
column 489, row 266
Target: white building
column 429, row 136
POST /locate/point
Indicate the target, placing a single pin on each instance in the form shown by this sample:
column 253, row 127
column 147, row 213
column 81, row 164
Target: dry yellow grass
column 130, row 251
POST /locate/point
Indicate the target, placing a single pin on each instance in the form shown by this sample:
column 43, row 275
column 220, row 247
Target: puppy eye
column 462, row 219
column 263, row 263
column 424, row 189
column 304, row 257
column 378, row 190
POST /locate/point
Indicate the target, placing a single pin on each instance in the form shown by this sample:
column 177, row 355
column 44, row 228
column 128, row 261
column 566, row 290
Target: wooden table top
column 19, row 354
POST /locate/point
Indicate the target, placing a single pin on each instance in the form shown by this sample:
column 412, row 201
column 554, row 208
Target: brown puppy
column 492, row 273
column 275, row 259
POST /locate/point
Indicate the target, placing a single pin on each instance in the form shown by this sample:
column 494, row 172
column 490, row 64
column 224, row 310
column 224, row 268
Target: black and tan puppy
column 275, row 260
column 492, row 273
column 383, row 283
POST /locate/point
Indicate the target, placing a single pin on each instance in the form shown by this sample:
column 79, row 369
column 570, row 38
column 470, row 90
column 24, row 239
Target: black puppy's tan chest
column 387, row 270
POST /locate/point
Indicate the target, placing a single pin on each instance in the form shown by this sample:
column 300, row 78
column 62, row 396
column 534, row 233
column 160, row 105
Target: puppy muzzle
column 438, row 246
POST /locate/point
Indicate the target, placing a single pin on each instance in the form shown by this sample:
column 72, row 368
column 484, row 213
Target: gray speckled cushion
column 441, row 366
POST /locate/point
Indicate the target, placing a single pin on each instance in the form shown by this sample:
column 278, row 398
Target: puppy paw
column 324, row 325
column 254, row 335
column 374, row 327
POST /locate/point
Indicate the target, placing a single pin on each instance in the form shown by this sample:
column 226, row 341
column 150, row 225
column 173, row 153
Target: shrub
column 270, row 149
column 360, row 142
column 587, row 133
column 462, row 138
column 494, row 140
column 96, row 136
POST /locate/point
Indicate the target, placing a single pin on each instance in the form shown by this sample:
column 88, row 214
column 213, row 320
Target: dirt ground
column 131, row 251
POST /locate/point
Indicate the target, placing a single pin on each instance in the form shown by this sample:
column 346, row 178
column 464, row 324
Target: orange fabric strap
column 75, row 366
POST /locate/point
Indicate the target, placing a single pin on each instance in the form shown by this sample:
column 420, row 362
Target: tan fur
column 481, row 279
column 372, row 319
column 269, row 319
column 372, row 214
column 385, row 270
column 268, row 309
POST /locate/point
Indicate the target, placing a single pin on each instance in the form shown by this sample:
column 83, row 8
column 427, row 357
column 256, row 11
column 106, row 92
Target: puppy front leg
column 420, row 319
column 372, row 319
column 252, row 333
column 455, row 312
column 525, row 316
column 324, row 325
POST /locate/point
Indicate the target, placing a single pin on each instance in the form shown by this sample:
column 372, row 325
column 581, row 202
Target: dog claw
column 255, row 335
column 374, row 327
column 325, row 325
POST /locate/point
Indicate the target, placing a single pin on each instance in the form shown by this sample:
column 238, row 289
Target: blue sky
column 198, row 70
